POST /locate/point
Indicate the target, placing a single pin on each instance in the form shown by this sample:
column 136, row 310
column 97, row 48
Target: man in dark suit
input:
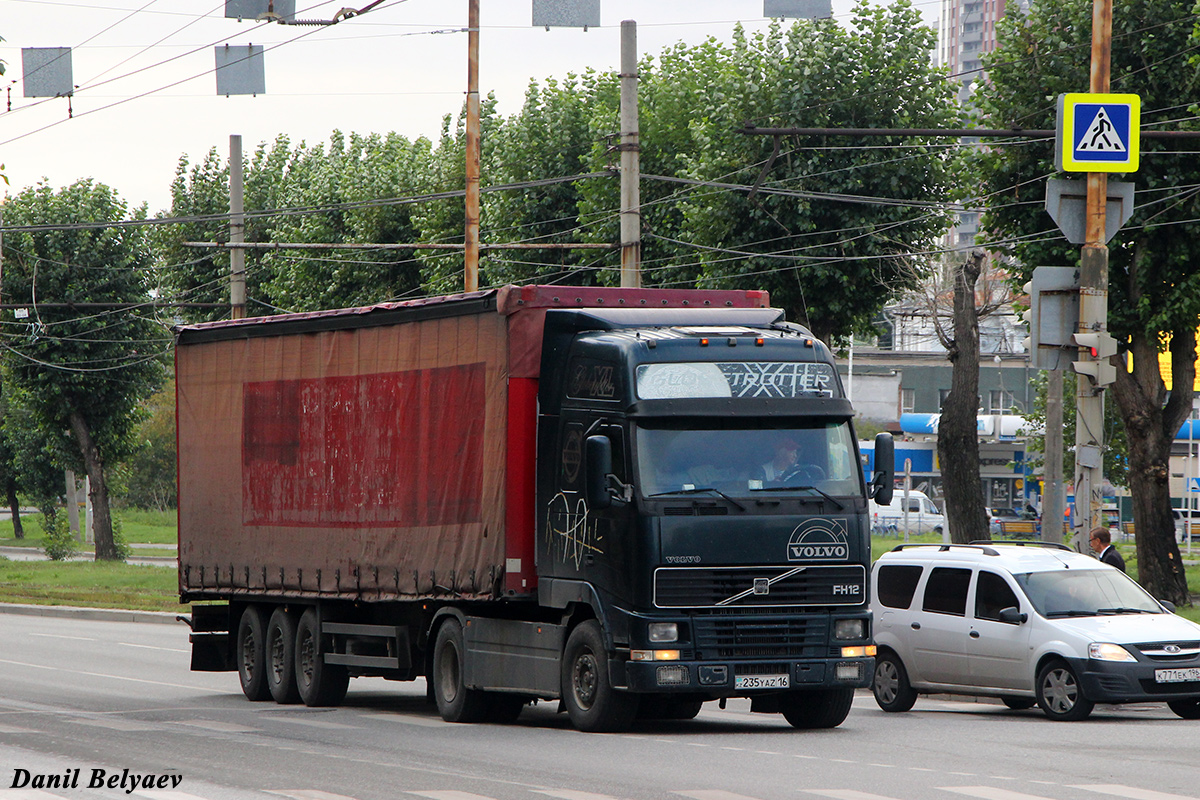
column 1102, row 544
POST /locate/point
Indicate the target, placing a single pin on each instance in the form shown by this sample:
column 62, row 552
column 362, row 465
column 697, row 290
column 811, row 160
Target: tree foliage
column 80, row 372
column 1154, row 289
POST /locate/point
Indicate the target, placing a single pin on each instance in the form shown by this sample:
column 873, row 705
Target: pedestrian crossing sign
column 1098, row 132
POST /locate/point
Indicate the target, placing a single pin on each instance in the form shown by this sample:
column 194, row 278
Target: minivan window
column 897, row 585
column 946, row 591
column 992, row 594
column 1086, row 593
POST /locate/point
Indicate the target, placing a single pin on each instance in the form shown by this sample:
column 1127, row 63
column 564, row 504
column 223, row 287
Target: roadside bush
column 59, row 542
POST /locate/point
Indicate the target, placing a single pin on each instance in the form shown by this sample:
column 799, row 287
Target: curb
column 97, row 614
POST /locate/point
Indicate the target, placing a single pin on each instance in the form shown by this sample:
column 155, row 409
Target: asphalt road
column 89, row 695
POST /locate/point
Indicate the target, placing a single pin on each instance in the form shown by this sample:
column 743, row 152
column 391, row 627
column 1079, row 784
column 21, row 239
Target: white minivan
column 923, row 516
column 1032, row 624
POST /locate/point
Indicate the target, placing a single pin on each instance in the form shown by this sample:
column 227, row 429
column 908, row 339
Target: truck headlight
column 1107, row 651
column 663, row 632
column 850, row 629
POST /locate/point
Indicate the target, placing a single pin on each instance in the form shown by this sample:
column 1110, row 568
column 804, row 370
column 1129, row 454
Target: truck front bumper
column 747, row 678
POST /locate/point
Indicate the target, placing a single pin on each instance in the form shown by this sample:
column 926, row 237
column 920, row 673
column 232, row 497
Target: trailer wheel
column 319, row 684
column 251, row 653
column 281, row 657
column 455, row 702
column 592, row 703
column 823, row 708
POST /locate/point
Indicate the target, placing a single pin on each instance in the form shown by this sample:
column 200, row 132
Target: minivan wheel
column 1059, row 694
column 891, row 688
column 1188, row 708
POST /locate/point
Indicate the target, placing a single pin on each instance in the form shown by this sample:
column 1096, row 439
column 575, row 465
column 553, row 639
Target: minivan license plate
column 761, row 682
column 1177, row 675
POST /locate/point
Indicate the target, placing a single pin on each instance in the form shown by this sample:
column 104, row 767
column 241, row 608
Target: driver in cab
column 783, row 462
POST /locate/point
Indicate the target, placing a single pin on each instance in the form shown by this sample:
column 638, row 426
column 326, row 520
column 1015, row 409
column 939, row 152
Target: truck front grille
column 760, row 637
column 759, row 587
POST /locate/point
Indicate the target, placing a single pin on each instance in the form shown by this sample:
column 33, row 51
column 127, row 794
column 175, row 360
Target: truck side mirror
column 598, row 458
column 885, row 469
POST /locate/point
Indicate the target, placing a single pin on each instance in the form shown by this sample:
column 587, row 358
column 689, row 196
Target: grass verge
column 89, row 584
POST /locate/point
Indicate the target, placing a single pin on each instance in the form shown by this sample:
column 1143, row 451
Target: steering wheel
column 807, row 471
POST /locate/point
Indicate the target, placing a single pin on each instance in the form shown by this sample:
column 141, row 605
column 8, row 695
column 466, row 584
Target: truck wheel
column 281, row 661
column 891, row 688
column 1059, row 695
column 319, row 684
column 592, row 703
column 455, row 702
column 822, row 708
column 251, row 653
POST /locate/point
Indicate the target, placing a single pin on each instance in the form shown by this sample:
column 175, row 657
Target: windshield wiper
column 697, row 490
column 1123, row 610
column 828, row 497
column 1077, row 612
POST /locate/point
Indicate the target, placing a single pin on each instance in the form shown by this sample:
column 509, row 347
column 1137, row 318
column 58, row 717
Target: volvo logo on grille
column 762, row 585
column 1171, row 648
column 819, row 540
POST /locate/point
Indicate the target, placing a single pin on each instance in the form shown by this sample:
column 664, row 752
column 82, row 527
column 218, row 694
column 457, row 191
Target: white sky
column 386, row 70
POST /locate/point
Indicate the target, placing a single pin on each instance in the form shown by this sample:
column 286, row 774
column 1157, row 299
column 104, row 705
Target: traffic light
column 1102, row 346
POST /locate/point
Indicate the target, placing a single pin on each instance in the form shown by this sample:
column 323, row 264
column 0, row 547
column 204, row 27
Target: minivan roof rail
column 1025, row 543
column 976, row 545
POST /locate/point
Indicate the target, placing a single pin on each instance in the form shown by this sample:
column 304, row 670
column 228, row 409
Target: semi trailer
column 629, row 501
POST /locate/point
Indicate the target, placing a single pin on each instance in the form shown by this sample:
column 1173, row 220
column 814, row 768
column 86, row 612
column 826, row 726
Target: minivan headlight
column 1107, row 651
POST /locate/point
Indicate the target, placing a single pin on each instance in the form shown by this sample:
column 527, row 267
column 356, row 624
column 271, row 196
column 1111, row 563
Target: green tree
column 833, row 226
column 1116, row 446
column 82, row 371
column 1154, row 288
column 149, row 471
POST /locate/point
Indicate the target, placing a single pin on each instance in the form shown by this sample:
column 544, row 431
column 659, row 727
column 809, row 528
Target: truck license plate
column 1177, row 675
column 761, row 682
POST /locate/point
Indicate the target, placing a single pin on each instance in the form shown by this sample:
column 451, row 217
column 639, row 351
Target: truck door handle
column 916, row 626
column 974, row 634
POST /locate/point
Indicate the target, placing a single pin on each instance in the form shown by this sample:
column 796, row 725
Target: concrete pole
column 630, row 147
column 1052, row 490
column 1093, row 309
column 237, row 230
column 471, row 232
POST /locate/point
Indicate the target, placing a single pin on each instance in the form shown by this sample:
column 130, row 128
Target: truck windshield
column 1086, row 593
column 737, row 459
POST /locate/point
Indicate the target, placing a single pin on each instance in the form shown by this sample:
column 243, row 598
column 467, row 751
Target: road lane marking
column 405, row 719
column 450, row 795
column 992, row 793
column 1130, row 792
column 316, row 723
column 571, row 794
column 219, row 727
column 168, row 794
column 309, row 794
column 714, row 794
column 116, row 724
column 846, row 794
column 47, row 668
column 27, row 794
column 61, row 636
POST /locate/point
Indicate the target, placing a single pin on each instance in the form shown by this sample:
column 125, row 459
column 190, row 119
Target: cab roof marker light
column 733, row 341
column 759, row 342
column 704, row 342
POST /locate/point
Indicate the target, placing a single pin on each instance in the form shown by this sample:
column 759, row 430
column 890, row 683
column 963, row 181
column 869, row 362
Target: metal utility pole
column 1093, row 308
column 630, row 147
column 471, row 240
column 237, row 230
column 1052, row 494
